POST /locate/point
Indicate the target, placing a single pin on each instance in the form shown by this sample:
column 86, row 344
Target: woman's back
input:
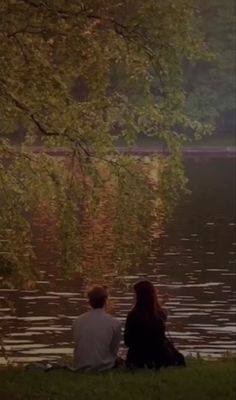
column 144, row 336
column 145, row 332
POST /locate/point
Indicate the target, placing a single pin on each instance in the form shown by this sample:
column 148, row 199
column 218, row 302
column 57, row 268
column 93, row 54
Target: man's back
column 97, row 337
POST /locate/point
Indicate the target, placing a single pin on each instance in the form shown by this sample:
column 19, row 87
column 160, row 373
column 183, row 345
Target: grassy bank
column 201, row 380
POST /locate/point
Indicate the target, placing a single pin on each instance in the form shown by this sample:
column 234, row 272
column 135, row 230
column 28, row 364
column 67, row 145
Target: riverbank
column 139, row 151
column 210, row 146
column 209, row 151
column 205, row 380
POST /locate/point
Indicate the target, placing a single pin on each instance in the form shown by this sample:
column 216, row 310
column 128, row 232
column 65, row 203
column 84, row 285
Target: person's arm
column 115, row 343
column 159, row 329
column 129, row 331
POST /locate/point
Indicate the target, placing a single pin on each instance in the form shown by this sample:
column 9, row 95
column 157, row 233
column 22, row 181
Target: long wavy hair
column 146, row 301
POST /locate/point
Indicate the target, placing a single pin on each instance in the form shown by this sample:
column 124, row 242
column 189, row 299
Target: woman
column 144, row 335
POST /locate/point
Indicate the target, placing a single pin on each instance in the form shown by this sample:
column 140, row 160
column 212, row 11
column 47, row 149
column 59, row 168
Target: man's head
column 97, row 296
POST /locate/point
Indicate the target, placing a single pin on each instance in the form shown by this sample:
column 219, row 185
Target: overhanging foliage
column 77, row 75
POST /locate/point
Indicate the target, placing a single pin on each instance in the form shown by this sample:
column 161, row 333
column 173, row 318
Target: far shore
column 142, row 151
column 139, row 150
column 187, row 151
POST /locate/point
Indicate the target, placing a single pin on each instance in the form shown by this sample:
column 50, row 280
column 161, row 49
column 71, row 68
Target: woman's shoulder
column 133, row 315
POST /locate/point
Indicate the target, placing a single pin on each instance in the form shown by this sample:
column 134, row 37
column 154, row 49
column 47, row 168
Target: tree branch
column 36, row 4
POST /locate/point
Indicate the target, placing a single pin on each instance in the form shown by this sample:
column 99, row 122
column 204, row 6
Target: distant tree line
column 210, row 85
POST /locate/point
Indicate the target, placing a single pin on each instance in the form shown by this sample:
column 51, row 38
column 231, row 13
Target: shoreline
column 209, row 151
column 188, row 151
column 197, row 153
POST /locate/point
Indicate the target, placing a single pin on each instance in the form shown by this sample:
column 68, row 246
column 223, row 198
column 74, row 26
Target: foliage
column 211, row 86
column 57, row 81
column 205, row 380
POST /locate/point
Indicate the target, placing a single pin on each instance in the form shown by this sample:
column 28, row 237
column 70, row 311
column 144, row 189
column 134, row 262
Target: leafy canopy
column 76, row 76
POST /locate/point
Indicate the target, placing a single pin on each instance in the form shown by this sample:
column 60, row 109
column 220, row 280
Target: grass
column 203, row 380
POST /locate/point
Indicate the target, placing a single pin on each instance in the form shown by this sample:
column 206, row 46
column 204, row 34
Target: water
column 194, row 262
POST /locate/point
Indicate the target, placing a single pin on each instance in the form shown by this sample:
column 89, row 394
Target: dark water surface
column 194, row 262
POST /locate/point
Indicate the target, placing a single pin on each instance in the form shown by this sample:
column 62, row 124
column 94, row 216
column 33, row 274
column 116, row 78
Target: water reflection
column 194, row 262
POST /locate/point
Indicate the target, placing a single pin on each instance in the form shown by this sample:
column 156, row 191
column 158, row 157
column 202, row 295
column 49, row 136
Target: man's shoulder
column 81, row 317
column 103, row 316
column 115, row 321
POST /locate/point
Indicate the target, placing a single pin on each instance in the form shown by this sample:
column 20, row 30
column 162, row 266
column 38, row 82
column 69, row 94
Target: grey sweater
column 97, row 337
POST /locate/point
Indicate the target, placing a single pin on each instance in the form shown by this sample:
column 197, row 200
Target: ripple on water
column 192, row 263
column 48, row 328
column 37, row 318
column 215, row 328
column 50, row 351
column 64, row 294
column 42, row 297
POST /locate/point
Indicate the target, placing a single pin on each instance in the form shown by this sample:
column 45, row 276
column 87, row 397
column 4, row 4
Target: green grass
column 200, row 381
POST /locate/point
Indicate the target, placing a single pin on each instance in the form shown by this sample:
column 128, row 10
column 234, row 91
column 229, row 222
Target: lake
column 193, row 262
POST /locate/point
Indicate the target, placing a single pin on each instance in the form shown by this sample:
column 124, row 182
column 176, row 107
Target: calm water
column 194, row 262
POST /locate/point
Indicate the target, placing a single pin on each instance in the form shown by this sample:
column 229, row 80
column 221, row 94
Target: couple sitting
column 97, row 334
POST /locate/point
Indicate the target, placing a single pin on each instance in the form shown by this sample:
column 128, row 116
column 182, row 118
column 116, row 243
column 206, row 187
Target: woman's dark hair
column 146, row 300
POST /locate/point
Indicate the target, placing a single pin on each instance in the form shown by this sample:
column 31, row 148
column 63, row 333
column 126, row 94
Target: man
column 96, row 334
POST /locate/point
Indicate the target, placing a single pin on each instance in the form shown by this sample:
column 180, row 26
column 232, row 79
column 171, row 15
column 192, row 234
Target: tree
column 57, row 66
column 211, row 85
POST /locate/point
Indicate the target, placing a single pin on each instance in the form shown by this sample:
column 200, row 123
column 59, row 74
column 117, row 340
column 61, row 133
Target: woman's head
column 146, row 298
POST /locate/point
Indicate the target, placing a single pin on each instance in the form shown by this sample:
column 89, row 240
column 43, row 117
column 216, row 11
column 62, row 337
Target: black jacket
column 145, row 337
